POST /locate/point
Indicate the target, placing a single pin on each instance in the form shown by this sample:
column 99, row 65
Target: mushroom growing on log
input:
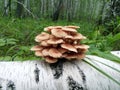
column 60, row 42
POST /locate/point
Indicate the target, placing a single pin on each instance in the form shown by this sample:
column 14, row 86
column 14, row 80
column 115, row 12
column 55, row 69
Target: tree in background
column 7, row 8
column 57, row 11
column 19, row 9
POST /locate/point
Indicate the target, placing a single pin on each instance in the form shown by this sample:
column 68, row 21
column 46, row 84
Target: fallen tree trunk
column 75, row 75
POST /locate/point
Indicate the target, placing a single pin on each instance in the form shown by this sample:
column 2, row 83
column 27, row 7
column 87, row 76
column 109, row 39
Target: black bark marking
column 36, row 71
column 0, row 83
column 11, row 85
column 82, row 75
column 73, row 85
column 57, row 68
column 0, row 87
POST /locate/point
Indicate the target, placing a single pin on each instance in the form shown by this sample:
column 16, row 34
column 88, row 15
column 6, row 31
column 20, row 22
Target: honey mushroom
column 60, row 42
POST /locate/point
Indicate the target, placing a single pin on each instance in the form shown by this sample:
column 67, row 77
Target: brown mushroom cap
column 81, row 56
column 62, row 50
column 78, row 36
column 38, row 53
column 45, row 52
column 44, row 43
column 55, row 41
column 54, row 53
column 81, row 46
column 74, row 27
column 75, row 36
column 69, row 47
column 69, row 29
column 42, row 36
column 52, row 27
column 50, row 59
column 36, row 48
column 70, row 55
column 74, row 55
column 58, row 33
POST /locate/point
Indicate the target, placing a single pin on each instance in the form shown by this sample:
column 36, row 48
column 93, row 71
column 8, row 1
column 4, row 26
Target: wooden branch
column 63, row 75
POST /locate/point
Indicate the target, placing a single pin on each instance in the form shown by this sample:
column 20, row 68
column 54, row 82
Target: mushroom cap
column 52, row 27
column 80, row 56
column 74, row 55
column 58, row 33
column 54, row 53
column 69, row 37
column 81, row 46
column 62, row 50
column 55, row 41
column 75, row 36
column 50, row 59
column 71, row 26
column 36, row 48
column 38, row 53
column 45, row 52
column 44, row 43
column 69, row 29
column 42, row 36
column 69, row 47
column 78, row 36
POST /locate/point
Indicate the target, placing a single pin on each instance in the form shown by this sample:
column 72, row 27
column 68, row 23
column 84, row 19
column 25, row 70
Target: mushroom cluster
column 60, row 42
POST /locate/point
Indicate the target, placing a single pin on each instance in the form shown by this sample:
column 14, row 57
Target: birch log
column 75, row 75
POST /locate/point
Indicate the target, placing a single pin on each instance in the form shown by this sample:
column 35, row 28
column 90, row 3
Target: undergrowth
column 17, row 37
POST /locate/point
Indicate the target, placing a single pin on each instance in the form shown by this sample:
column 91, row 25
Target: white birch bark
column 6, row 7
column 76, row 75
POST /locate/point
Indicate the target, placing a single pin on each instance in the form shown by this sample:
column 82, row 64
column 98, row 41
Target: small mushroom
column 74, row 55
column 69, row 47
column 45, row 52
column 78, row 36
column 62, row 50
column 44, row 43
column 54, row 53
column 38, row 53
column 80, row 56
column 58, row 33
column 50, row 59
column 42, row 36
column 36, row 48
column 55, row 41
column 69, row 29
column 70, row 55
column 52, row 27
column 81, row 46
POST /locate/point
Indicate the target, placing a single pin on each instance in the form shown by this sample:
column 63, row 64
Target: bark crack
column 73, row 85
column 11, row 85
column 36, row 71
column 57, row 68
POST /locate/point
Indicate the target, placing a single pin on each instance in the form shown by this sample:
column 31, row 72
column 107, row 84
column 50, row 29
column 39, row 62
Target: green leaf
column 106, row 55
column 105, row 65
column 103, row 72
column 116, row 37
column 2, row 42
column 11, row 41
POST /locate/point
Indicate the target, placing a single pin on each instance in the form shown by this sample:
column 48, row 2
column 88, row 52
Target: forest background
column 22, row 20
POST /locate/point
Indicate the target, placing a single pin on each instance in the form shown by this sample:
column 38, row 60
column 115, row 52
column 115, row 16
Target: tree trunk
column 5, row 8
column 63, row 75
column 57, row 11
column 19, row 10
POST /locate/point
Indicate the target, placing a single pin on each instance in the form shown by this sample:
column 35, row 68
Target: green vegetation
column 17, row 37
